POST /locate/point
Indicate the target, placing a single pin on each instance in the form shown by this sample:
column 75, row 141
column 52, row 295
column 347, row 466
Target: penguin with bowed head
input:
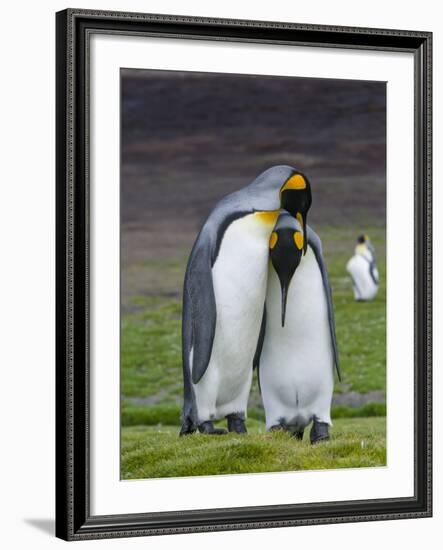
column 298, row 348
column 223, row 296
column 363, row 270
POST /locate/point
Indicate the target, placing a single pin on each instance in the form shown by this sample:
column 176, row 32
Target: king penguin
column 298, row 351
column 223, row 297
column 363, row 270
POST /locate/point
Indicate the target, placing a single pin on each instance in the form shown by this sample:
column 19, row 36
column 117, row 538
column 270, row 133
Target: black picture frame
column 73, row 518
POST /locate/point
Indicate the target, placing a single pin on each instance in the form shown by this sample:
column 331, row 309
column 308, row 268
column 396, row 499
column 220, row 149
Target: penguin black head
column 296, row 198
column 286, row 246
column 364, row 243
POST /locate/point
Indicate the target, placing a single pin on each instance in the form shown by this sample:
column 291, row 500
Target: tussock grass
column 155, row 452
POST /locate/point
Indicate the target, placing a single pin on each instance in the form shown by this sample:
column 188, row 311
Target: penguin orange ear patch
column 273, row 240
column 298, row 239
column 294, row 182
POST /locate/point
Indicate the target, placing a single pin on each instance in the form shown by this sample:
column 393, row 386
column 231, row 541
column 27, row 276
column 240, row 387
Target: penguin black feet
column 299, row 435
column 277, row 428
column 236, row 423
column 188, row 427
column 283, row 427
column 208, row 428
column 319, row 432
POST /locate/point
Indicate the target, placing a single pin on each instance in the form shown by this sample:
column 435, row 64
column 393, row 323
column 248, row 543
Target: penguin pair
column 224, row 328
column 363, row 270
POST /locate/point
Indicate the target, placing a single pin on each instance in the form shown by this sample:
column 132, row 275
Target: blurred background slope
column 187, row 140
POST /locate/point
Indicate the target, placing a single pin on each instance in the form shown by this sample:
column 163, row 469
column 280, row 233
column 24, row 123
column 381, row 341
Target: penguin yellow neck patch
column 273, row 240
column 298, row 239
column 299, row 218
column 268, row 216
column 296, row 182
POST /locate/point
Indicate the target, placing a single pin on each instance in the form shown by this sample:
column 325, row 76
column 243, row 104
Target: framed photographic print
column 243, row 274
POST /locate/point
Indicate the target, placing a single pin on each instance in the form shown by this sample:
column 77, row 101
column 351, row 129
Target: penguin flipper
column 315, row 243
column 261, row 338
column 189, row 409
column 373, row 272
column 200, row 289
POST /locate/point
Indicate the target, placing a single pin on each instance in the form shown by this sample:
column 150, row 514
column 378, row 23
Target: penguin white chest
column 296, row 364
column 239, row 277
column 359, row 268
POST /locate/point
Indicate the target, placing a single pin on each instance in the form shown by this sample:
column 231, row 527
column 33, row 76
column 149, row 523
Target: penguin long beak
column 284, row 299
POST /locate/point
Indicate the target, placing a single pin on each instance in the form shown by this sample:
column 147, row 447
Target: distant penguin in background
column 363, row 270
column 298, row 349
column 223, row 297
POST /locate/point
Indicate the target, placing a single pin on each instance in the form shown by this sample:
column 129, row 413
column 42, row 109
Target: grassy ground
column 361, row 326
column 153, row 452
column 151, row 380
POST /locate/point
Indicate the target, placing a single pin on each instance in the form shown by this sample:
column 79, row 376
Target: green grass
column 151, row 350
column 155, row 452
